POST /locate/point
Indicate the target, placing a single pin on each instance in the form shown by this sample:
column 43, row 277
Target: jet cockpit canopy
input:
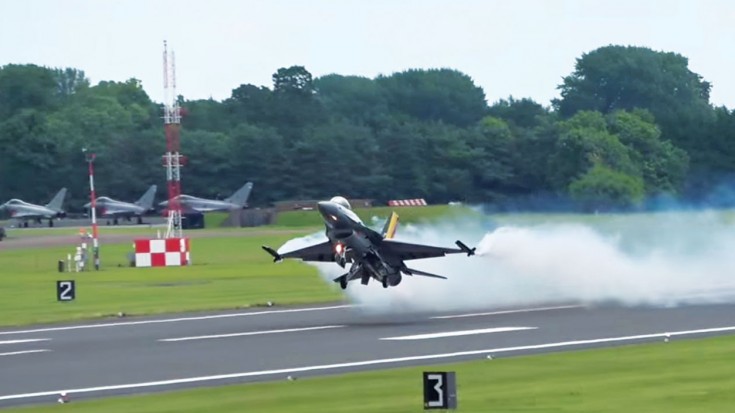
column 341, row 201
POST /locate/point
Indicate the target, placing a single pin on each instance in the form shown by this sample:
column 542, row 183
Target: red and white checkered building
column 407, row 202
column 168, row 252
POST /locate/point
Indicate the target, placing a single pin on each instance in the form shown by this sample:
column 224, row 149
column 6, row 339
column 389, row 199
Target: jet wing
column 24, row 214
column 405, row 251
column 320, row 252
column 110, row 211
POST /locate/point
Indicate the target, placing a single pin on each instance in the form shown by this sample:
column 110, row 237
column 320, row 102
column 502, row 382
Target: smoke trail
column 646, row 259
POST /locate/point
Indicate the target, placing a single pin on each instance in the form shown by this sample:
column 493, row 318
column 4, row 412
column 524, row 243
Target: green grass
column 14, row 233
column 39, row 232
column 685, row 376
column 406, row 215
column 215, row 219
column 227, row 272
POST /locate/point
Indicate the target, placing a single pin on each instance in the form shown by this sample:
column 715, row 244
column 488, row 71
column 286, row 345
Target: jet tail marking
column 389, row 229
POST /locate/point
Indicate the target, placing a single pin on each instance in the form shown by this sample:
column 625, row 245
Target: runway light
column 63, row 398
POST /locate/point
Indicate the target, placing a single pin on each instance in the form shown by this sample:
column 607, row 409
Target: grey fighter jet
column 371, row 254
column 238, row 200
column 112, row 208
column 24, row 211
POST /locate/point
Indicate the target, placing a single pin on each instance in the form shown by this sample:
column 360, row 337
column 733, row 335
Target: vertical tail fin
column 58, row 201
column 146, row 201
column 389, row 229
column 241, row 196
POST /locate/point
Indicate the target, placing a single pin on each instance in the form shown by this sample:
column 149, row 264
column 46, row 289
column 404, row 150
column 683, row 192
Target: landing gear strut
column 385, row 282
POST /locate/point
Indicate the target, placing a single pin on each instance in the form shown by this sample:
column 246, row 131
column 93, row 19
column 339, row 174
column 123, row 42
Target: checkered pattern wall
column 169, row 252
column 407, row 202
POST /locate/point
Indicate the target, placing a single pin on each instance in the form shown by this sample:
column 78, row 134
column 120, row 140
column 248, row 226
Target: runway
column 126, row 356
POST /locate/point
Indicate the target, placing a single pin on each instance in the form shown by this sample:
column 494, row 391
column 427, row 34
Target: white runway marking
column 28, row 340
column 460, row 333
column 250, row 333
column 15, row 353
column 363, row 363
column 524, row 310
column 173, row 320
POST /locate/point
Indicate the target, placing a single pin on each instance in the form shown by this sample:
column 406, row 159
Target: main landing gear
column 343, row 283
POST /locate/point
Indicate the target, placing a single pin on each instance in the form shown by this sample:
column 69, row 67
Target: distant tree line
column 632, row 127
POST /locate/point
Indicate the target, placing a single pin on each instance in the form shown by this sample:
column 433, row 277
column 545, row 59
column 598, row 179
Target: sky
column 519, row 48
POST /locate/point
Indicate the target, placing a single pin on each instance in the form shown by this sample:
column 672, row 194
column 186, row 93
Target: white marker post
column 93, row 205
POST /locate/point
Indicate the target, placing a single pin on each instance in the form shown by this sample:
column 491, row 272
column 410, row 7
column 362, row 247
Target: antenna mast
column 172, row 160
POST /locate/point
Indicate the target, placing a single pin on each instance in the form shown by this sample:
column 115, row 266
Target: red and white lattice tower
column 172, row 160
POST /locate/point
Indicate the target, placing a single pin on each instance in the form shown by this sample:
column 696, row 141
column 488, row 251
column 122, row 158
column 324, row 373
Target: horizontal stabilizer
column 276, row 256
column 411, row 271
column 465, row 248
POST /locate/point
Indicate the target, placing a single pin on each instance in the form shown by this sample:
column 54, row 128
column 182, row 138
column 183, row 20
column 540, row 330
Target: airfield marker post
column 93, row 205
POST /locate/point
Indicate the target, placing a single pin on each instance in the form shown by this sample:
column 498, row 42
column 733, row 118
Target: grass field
column 684, row 376
column 227, row 272
column 230, row 270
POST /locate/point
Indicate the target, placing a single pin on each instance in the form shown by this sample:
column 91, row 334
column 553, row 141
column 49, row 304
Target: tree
column 663, row 166
column 616, row 77
column 294, row 80
column 625, row 77
column 435, row 95
column 295, row 105
column 604, row 188
column 583, row 142
column 69, row 81
column 26, row 87
column 356, row 98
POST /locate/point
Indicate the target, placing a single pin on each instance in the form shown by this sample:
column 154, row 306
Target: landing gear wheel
column 385, row 282
column 343, row 283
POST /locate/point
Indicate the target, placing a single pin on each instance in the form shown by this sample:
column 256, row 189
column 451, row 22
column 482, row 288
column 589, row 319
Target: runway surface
column 154, row 354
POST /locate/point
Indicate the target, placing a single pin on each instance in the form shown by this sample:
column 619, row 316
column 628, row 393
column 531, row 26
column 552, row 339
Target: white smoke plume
column 647, row 259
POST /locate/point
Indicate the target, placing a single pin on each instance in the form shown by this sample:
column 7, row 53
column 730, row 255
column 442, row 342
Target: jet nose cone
column 327, row 209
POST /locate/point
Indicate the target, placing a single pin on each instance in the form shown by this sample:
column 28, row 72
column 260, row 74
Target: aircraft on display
column 112, row 208
column 238, row 200
column 371, row 254
column 24, row 211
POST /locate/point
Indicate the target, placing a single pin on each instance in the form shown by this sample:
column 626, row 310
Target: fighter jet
column 371, row 254
column 238, row 200
column 24, row 211
column 112, row 208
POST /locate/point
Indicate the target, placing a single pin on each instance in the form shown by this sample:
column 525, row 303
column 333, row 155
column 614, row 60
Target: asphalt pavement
column 133, row 355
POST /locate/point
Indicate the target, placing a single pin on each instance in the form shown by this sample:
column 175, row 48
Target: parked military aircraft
column 112, row 208
column 238, row 200
column 24, row 211
column 371, row 254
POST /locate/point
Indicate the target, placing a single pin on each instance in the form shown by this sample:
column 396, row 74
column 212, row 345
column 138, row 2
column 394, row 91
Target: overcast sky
column 521, row 48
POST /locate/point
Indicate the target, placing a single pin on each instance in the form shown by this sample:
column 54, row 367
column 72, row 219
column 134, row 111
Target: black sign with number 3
column 440, row 390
